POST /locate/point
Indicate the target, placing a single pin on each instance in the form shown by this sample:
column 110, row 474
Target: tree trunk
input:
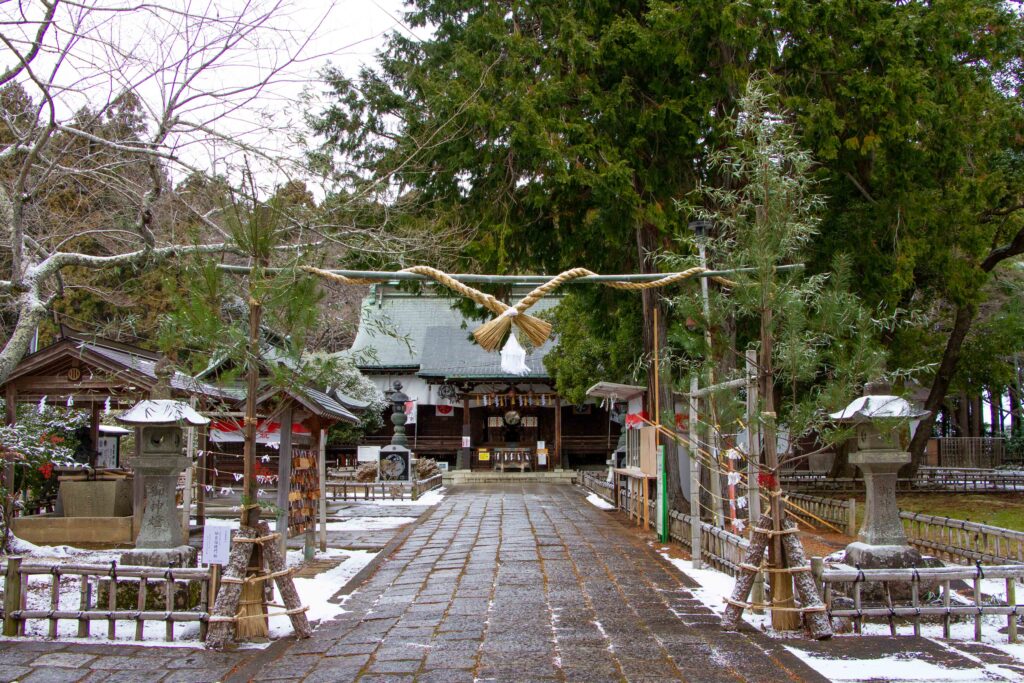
column 817, row 621
column 745, row 579
column 285, row 585
column 940, row 385
column 31, row 312
column 977, row 421
column 962, row 321
column 1014, row 411
column 226, row 605
column 995, row 405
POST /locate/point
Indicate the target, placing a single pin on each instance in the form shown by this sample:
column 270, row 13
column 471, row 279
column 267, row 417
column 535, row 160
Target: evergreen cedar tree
column 566, row 131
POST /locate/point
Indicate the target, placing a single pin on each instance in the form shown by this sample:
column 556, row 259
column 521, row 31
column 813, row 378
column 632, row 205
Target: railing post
column 12, row 594
column 851, row 520
column 818, row 570
column 1011, row 619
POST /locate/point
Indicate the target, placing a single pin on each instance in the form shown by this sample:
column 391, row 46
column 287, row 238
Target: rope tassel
column 490, row 334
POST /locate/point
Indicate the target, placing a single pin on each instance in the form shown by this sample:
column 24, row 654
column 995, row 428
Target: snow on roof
column 116, row 431
column 162, row 411
column 866, row 408
column 615, row 391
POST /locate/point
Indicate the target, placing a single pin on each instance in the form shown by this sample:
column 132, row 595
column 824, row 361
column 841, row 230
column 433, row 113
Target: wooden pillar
column 284, row 473
column 464, row 456
column 322, row 466
column 94, row 432
column 558, row 456
column 11, row 411
column 10, row 417
column 138, row 489
column 203, row 476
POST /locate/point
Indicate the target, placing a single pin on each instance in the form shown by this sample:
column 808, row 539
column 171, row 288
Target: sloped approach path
column 527, row 583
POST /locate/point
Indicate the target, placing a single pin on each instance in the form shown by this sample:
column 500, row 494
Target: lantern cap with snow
column 162, row 412
column 881, row 422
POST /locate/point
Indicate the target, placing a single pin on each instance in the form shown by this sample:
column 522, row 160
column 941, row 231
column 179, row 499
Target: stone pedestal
column 882, row 524
column 161, row 524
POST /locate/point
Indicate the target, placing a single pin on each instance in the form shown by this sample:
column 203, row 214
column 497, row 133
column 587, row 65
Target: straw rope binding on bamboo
column 490, row 334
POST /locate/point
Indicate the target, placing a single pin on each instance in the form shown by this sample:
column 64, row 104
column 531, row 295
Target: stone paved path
column 499, row 582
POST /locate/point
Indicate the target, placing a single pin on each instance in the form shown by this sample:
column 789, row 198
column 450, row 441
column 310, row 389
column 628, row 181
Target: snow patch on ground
column 315, row 592
column 599, row 502
column 431, row 497
column 715, row 587
column 898, row 668
column 369, row 523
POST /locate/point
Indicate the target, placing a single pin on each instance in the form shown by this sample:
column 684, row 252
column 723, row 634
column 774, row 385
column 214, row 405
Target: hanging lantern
column 513, row 357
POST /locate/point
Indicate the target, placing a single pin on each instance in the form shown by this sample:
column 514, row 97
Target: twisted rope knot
column 490, row 334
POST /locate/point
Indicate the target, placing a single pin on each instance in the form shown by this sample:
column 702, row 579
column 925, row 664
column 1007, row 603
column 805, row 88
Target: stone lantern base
column 181, row 556
column 882, row 556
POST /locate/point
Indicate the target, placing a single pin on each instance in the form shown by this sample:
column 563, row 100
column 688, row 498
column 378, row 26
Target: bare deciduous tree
column 102, row 104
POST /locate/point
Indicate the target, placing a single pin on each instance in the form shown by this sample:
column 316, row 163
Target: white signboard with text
column 216, row 541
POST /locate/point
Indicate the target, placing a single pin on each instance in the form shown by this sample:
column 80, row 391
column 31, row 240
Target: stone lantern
column 882, row 428
column 160, row 460
column 395, row 460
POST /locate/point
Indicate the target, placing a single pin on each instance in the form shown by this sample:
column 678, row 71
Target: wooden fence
column 959, row 540
column 721, row 549
column 843, row 513
column 956, row 540
column 381, row 490
column 945, row 479
column 854, row 579
column 970, row 451
column 90, row 577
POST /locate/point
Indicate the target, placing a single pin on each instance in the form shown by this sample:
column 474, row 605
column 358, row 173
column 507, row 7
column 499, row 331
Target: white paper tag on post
column 216, row 542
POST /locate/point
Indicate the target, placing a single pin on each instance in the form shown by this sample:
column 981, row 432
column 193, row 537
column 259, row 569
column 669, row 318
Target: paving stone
column 73, row 660
column 524, row 582
column 290, row 666
column 12, row 672
column 144, row 660
column 445, row 676
column 195, row 676
column 351, row 648
column 98, row 676
column 53, row 674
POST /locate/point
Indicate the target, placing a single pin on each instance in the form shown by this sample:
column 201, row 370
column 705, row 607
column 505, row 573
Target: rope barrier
column 262, row 539
column 490, row 334
column 768, row 605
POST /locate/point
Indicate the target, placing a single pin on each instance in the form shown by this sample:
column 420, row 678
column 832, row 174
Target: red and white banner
column 444, row 410
column 410, row 412
column 231, row 431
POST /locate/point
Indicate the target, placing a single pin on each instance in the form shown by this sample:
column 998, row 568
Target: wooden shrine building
column 90, row 372
column 464, row 409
